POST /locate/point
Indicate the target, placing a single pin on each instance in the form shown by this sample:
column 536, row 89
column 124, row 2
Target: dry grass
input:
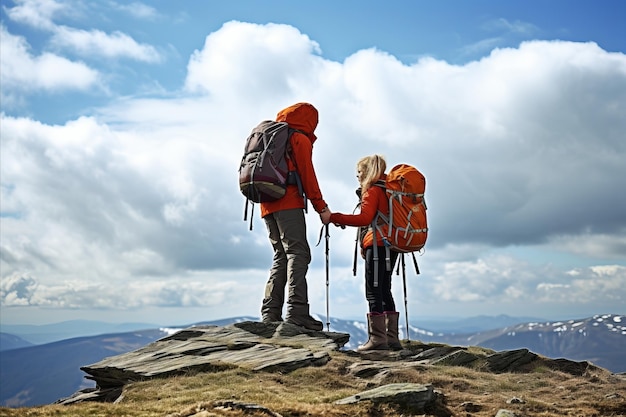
column 312, row 392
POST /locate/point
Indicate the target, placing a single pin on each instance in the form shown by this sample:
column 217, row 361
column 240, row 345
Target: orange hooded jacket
column 374, row 200
column 303, row 117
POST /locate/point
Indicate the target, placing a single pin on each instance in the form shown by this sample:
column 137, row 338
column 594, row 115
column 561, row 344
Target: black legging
column 379, row 298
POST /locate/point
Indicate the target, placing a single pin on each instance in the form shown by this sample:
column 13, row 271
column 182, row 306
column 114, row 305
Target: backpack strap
column 245, row 212
column 382, row 184
column 358, row 237
column 417, row 268
column 375, row 250
column 387, row 245
column 388, row 266
column 356, row 249
column 375, row 227
column 293, row 177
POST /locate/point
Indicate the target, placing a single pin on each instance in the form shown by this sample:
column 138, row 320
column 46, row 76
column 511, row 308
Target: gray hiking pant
column 292, row 255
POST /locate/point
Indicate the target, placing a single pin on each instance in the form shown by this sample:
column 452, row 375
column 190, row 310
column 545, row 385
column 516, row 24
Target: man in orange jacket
column 286, row 225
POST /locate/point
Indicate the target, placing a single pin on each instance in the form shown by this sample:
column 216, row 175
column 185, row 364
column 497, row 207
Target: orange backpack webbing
column 405, row 229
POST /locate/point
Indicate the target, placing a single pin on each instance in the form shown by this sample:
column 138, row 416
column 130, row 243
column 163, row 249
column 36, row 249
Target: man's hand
column 325, row 215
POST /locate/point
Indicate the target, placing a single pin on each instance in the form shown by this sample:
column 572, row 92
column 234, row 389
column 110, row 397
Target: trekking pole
column 327, row 278
column 356, row 248
column 406, row 310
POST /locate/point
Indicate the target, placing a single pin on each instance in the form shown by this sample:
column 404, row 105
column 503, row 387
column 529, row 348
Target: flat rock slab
column 413, row 397
column 254, row 345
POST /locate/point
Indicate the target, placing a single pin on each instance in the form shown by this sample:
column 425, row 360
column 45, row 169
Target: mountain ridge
column 47, row 333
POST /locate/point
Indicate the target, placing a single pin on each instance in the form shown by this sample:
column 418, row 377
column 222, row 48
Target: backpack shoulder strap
column 381, row 184
column 289, row 148
column 294, row 176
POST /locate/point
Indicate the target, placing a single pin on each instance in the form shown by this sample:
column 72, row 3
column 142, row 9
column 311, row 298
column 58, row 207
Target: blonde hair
column 370, row 169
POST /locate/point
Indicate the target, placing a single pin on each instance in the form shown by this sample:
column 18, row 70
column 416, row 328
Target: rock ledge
column 282, row 347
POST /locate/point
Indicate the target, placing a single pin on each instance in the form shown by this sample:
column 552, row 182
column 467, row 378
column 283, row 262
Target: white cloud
column 522, row 147
column 505, row 30
column 481, row 279
column 248, row 59
column 138, row 9
column 517, row 26
column 96, row 43
column 16, row 289
column 507, row 280
column 593, row 285
column 37, row 13
column 192, row 290
column 41, row 14
column 22, row 71
column 599, row 245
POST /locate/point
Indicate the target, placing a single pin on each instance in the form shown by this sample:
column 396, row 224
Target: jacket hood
column 301, row 116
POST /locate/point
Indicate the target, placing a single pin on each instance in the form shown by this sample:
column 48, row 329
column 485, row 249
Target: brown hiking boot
column 298, row 314
column 269, row 318
column 391, row 324
column 307, row 322
column 377, row 333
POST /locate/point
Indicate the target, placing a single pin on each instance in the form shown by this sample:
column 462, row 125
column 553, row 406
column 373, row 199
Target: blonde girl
column 382, row 317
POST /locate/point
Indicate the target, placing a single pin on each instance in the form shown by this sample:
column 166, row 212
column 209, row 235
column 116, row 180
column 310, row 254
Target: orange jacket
column 304, row 117
column 374, row 199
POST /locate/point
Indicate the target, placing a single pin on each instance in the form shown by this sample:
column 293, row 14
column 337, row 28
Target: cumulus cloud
column 276, row 59
column 22, row 71
column 43, row 15
column 194, row 291
column 513, row 281
column 39, row 14
column 109, row 188
column 107, row 45
column 26, row 71
column 599, row 245
column 592, row 285
column 523, row 147
column 16, row 289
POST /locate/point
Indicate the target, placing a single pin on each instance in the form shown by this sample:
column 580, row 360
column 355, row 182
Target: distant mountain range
column 47, row 333
column 11, row 341
column 599, row 339
column 16, row 336
column 41, row 374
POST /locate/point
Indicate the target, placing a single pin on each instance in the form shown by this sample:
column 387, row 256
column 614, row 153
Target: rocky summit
column 282, row 348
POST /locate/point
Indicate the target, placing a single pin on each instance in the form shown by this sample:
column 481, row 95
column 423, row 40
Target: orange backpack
column 405, row 229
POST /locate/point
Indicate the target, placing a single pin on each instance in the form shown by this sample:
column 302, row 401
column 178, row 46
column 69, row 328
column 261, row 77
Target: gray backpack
column 263, row 172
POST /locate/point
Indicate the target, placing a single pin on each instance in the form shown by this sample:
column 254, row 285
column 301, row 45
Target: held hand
column 325, row 215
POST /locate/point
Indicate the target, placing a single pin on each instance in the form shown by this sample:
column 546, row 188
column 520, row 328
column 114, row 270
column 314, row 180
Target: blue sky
column 123, row 125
